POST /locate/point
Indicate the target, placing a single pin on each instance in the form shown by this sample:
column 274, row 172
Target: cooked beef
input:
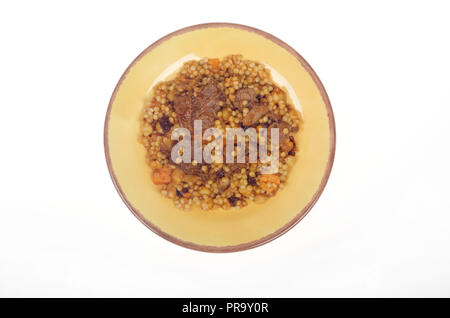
column 184, row 109
column 210, row 95
column 190, row 169
column 244, row 94
column 206, row 105
column 257, row 107
column 202, row 107
column 256, row 112
column 281, row 126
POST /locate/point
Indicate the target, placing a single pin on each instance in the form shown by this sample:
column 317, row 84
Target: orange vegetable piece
column 162, row 176
column 273, row 178
column 265, row 181
column 214, row 64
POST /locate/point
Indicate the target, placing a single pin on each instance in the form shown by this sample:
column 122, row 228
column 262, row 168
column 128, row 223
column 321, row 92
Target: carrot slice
column 269, row 182
column 214, row 64
column 162, row 176
column 273, row 178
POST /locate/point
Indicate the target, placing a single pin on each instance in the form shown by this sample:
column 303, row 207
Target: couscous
column 222, row 93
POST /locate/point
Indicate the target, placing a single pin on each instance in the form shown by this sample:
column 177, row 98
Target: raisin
column 165, row 124
column 233, row 200
column 220, row 173
column 184, row 190
column 292, row 151
column 251, row 180
column 291, row 138
column 179, row 194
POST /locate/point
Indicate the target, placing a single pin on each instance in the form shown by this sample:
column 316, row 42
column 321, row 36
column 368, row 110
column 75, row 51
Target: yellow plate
column 219, row 230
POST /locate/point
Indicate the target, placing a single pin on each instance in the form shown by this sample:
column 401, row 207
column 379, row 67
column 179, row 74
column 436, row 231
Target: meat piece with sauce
column 202, row 107
column 184, row 109
column 282, row 136
column 189, row 169
column 206, row 105
column 244, row 94
column 256, row 112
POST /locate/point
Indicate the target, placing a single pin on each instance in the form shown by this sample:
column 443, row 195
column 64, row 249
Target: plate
column 219, row 230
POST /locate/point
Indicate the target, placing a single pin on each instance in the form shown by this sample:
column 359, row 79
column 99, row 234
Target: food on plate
column 222, row 94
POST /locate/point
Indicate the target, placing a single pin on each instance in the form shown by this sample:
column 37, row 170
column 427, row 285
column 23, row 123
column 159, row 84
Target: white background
column 381, row 227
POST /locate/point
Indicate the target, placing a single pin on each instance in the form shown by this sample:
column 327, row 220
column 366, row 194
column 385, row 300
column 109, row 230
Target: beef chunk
column 209, row 96
column 165, row 124
column 189, row 168
column 281, row 135
column 202, row 107
column 257, row 108
column 206, row 104
column 184, row 109
column 255, row 113
column 244, row 94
